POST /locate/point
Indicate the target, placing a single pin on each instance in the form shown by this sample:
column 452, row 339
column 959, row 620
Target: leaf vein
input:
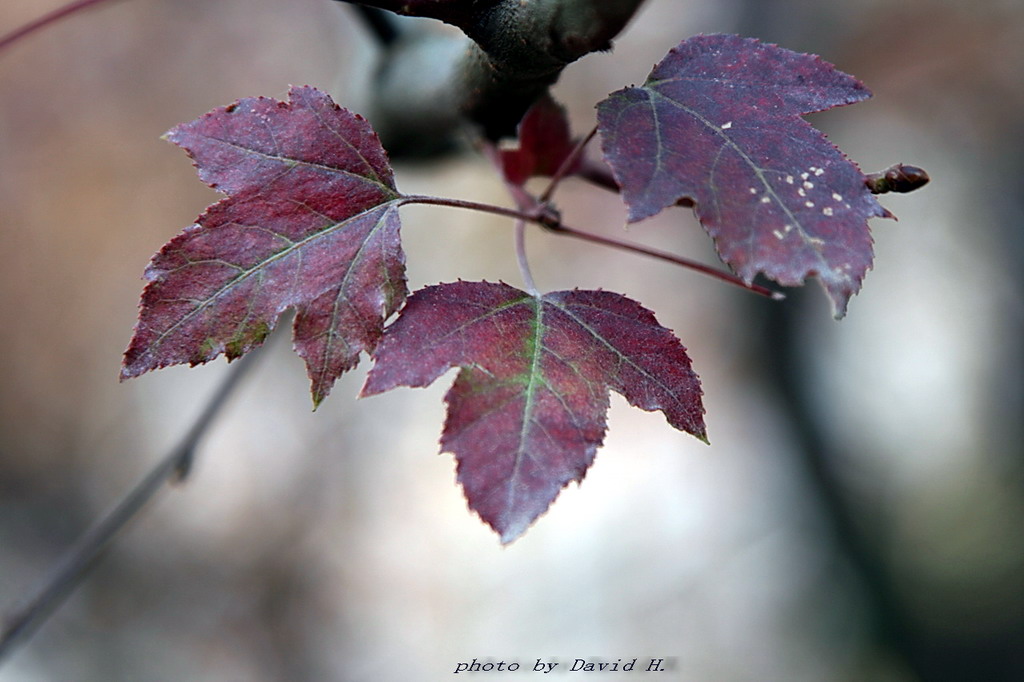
column 260, row 267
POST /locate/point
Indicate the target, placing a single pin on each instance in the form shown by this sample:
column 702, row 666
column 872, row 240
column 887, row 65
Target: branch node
column 897, row 178
column 547, row 216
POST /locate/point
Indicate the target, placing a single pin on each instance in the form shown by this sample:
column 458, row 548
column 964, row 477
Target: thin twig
column 566, row 166
column 546, row 216
column 45, row 20
column 529, row 216
column 83, row 554
column 671, row 258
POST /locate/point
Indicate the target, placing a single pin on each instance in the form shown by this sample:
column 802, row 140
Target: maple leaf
column 310, row 223
column 718, row 122
column 545, row 142
column 527, row 410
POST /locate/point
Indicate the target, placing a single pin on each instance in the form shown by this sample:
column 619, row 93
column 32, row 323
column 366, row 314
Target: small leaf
column 310, row 223
column 527, row 410
column 718, row 122
column 545, row 142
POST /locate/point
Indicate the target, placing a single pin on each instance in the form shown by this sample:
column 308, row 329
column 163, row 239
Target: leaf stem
column 567, row 164
column 542, row 215
column 524, row 264
column 45, row 20
column 82, row 555
column 671, row 258
column 546, row 216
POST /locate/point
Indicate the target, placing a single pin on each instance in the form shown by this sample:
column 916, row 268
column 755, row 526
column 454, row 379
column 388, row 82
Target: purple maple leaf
column 718, row 122
column 527, row 410
column 310, row 223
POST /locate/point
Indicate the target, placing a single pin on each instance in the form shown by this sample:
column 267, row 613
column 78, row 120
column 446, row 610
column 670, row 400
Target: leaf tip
column 372, row 386
column 513, row 524
column 174, row 135
column 135, row 362
column 512, row 534
column 839, row 306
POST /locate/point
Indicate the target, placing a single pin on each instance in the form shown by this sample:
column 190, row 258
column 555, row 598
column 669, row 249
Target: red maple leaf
column 527, row 410
column 718, row 122
column 310, row 223
column 545, row 142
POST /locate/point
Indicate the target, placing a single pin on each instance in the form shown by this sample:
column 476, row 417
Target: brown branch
column 382, row 25
column 455, row 12
column 428, row 86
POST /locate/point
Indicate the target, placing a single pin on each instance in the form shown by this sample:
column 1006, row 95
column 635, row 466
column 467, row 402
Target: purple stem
column 545, row 218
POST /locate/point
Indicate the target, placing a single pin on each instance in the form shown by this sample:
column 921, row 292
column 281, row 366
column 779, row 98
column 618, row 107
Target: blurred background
column 858, row 515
